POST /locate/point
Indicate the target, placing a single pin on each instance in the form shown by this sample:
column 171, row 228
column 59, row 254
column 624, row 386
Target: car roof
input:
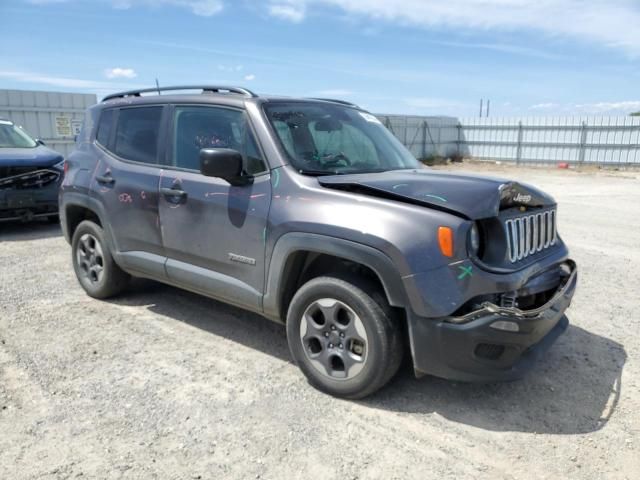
column 231, row 96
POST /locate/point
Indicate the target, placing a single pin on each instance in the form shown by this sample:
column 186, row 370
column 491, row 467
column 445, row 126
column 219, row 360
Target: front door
column 212, row 232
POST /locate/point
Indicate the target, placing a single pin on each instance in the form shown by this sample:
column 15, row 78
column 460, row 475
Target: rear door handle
column 105, row 180
column 173, row 192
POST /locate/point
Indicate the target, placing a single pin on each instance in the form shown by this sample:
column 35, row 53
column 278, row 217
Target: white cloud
column 46, row 2
column 204, row 8
column 624, row 107
column 504, row 48
column 612, row 23
column 250, row 77
column 118, row 72
column 230, row 68
column 596, row 108
column 63, row 82
column 291, row 10
column 544, row 106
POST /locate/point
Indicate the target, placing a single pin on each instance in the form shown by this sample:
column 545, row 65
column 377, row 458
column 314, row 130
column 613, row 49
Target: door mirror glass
column 224, row 163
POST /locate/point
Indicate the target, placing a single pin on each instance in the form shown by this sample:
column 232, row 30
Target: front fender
column 291, row 243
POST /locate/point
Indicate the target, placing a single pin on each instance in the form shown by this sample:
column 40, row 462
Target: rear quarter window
column 105, row 127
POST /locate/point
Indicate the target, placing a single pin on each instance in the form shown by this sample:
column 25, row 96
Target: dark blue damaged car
column 30, row 175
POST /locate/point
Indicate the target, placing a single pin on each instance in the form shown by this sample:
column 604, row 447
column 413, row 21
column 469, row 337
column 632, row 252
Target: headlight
column 59, row 165
column 474, row 240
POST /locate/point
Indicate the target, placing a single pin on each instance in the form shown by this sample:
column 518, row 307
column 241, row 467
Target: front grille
column 530, row 234
column 12, row 171
column 33, row 179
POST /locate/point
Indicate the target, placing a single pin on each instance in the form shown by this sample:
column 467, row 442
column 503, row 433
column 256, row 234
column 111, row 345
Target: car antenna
column 158, row 87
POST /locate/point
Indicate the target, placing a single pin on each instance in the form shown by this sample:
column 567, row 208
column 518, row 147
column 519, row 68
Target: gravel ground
column 164, row 384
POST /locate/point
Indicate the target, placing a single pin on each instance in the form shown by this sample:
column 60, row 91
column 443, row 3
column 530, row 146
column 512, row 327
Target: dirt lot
column 164, row 384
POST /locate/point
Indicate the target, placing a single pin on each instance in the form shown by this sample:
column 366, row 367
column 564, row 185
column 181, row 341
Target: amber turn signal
column 445, row 240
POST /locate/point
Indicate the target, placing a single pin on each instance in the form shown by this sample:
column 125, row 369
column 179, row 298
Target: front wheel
column 343, row 336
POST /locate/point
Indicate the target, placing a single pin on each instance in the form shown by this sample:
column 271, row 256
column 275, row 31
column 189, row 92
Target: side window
column 105, row 127
column 137, row 134
column 196, row 128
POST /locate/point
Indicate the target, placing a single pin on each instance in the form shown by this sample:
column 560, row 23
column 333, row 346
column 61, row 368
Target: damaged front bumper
column 30, row 195
column 492, row 342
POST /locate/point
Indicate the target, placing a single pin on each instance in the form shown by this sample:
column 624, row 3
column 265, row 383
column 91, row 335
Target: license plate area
column 20, row 200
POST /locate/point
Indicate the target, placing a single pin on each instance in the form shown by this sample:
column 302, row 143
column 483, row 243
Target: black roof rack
column 204, row 88
column 333, row 100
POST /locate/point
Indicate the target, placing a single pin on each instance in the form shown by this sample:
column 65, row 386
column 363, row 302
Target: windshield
column 328, row 139
column 12, row 136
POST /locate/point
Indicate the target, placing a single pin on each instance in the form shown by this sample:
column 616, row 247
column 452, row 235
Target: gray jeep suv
column 310, row 213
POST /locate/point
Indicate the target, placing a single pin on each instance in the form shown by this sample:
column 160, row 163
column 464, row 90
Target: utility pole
column 482, row 104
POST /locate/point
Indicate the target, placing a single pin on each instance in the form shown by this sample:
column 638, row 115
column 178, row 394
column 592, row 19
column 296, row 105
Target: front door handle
column 173, row 192
column 105, row 179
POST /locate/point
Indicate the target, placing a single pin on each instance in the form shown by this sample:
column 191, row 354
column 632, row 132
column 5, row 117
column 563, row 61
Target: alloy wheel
column 334, row 338
column 90, row 258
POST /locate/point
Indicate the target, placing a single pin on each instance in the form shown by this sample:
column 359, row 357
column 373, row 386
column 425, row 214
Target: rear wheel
column 94, row 266
column 342, row 335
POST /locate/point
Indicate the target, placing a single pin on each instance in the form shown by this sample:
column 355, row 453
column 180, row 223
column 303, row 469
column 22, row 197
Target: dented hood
column 470, row 196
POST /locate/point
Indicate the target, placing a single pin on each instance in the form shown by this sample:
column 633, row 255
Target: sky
column 425, row 57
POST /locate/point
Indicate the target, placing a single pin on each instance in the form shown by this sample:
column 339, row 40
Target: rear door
column 126, row 181
column 212, row 232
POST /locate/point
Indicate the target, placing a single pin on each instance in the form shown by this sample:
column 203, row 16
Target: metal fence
column 425, row 136
column 533, row 140
column 53, row 117
column 56, row 118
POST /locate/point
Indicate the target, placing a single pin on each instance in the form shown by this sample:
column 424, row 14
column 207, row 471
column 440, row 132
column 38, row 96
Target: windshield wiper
column 318, row 173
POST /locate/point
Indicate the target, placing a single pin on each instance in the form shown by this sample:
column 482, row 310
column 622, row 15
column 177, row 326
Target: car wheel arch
column 298, row 257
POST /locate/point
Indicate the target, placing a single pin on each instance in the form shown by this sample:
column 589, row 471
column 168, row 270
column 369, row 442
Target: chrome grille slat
column 529, row 234
column 521, row 239
column 543, row 233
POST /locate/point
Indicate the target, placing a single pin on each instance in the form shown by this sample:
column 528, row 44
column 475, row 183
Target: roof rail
column 204, row 88
column 333, row 100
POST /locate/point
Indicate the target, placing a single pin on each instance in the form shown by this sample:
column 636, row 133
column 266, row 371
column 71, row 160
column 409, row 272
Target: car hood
column 470, row 196
column 39, row 156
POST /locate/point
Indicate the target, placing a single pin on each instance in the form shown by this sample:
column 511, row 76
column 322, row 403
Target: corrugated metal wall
column 53, row 117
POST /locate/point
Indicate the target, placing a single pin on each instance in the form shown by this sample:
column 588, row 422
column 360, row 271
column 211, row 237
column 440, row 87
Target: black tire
column 111, row 279
column 384, row 348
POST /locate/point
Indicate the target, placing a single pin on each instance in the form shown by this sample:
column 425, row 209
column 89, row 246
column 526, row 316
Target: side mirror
column 224, row 163
column 40, row 142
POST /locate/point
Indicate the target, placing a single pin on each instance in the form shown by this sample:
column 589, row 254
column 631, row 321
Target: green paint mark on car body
column 437, row 197
column 276, row 181
column 466, row 271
